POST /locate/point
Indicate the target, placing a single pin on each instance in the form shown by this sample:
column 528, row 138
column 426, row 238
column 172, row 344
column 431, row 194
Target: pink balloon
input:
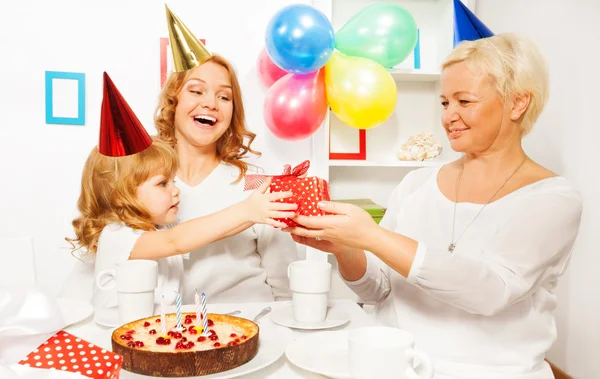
column 267, row 70
column 296, row 105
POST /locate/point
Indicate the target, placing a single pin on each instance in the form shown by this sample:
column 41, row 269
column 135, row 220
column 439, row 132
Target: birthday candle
column 178, row 303
column 198, row 312
column 205, row 314
column 163, row 317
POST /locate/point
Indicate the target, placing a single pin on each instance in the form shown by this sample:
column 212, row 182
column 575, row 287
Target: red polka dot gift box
column 308, row 191
column 64, row 351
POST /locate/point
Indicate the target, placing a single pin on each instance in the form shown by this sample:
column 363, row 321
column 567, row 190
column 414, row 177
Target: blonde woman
column 201, row 114
column 468, row 255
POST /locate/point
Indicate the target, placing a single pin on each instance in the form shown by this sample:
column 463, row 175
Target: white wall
column 41, row 164
column 565, row 139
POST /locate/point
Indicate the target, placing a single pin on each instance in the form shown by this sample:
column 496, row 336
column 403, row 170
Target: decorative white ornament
column 419, row 147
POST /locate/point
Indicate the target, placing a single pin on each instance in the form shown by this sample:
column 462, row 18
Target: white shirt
column 248, row 267
column 115, row 244
column 483, row 311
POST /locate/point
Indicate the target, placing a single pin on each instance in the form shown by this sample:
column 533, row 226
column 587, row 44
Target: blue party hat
column 467, row 26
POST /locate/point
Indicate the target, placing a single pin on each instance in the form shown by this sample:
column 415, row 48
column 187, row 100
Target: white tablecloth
column 282, row 368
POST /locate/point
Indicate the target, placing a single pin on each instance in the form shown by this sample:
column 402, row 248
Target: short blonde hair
column 109, row 191
column 516, row 66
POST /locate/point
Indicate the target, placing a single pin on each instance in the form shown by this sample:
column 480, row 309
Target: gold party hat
column 188, row 51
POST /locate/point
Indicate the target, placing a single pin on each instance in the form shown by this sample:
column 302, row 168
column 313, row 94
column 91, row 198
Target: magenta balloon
column 268, row 71
column 296, row 105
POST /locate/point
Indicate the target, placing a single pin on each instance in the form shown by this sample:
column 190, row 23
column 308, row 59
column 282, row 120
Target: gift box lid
column 368, row 205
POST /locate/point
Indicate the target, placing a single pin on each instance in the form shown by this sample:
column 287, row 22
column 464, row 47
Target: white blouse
column 248, row 267
column 485, row 310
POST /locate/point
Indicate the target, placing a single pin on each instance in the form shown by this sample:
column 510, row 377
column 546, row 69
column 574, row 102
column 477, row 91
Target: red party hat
column 121, row 133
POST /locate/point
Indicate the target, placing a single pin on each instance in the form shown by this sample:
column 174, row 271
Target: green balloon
column 385, row 33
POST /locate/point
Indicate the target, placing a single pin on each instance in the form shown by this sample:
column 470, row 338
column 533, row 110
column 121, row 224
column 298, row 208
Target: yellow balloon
column 361, row 92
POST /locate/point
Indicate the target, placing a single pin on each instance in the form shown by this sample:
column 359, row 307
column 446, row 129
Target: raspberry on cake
column 229, row 343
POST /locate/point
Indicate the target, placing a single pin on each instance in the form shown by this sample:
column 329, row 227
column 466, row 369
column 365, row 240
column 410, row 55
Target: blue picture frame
column 80, row 77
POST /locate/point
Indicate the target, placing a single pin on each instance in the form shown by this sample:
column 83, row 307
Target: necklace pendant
column 451, row 247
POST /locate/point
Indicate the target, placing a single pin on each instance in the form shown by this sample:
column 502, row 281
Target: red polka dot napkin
column 307, row 191
column 64, row 351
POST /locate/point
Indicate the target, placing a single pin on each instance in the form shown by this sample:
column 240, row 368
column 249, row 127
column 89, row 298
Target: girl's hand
column 348, row 225
column 263, row 207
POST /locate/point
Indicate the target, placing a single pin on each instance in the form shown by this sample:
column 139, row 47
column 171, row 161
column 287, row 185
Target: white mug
column 135, row 281
column 310, row 282
column 380, row 352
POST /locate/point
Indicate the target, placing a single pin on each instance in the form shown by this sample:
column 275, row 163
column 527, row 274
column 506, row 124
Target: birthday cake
column 230, row 342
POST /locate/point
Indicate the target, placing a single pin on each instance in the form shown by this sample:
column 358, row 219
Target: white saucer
column 324, row 353
column 108, row 317
column 74, row 311
column 284, row 316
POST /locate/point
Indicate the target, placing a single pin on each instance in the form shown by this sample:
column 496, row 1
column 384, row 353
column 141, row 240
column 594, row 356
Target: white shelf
column 417, row 109
column 390, row 163
column 402, row 75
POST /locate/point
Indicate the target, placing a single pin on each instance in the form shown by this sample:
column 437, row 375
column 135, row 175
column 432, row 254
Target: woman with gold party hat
column 201, row 114
column 129, row 198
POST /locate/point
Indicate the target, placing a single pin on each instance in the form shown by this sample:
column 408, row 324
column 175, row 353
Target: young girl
column 127, row 203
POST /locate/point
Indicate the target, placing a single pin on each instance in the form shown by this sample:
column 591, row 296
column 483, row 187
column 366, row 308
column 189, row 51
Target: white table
column 282, row 368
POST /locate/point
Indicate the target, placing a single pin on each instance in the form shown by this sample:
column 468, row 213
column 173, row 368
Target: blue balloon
column 299, row 39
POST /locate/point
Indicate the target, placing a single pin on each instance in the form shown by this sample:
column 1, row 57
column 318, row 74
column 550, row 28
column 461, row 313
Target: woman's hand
column 323, row 245
column 348, row 225
column 347, row 233
column 262, row 207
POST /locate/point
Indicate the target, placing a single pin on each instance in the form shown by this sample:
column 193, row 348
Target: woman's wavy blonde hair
column 231, row 146
column 109, row 191
column 516, row 66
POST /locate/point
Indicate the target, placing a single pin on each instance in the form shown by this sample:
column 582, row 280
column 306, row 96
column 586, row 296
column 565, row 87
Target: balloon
column 299, row 39
column 295, row 105
column 385, row 33
column 361, row 92
column 268, row 72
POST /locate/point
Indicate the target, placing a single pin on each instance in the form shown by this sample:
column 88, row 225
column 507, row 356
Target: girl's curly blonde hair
column 109, row 191
column 231, row 146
